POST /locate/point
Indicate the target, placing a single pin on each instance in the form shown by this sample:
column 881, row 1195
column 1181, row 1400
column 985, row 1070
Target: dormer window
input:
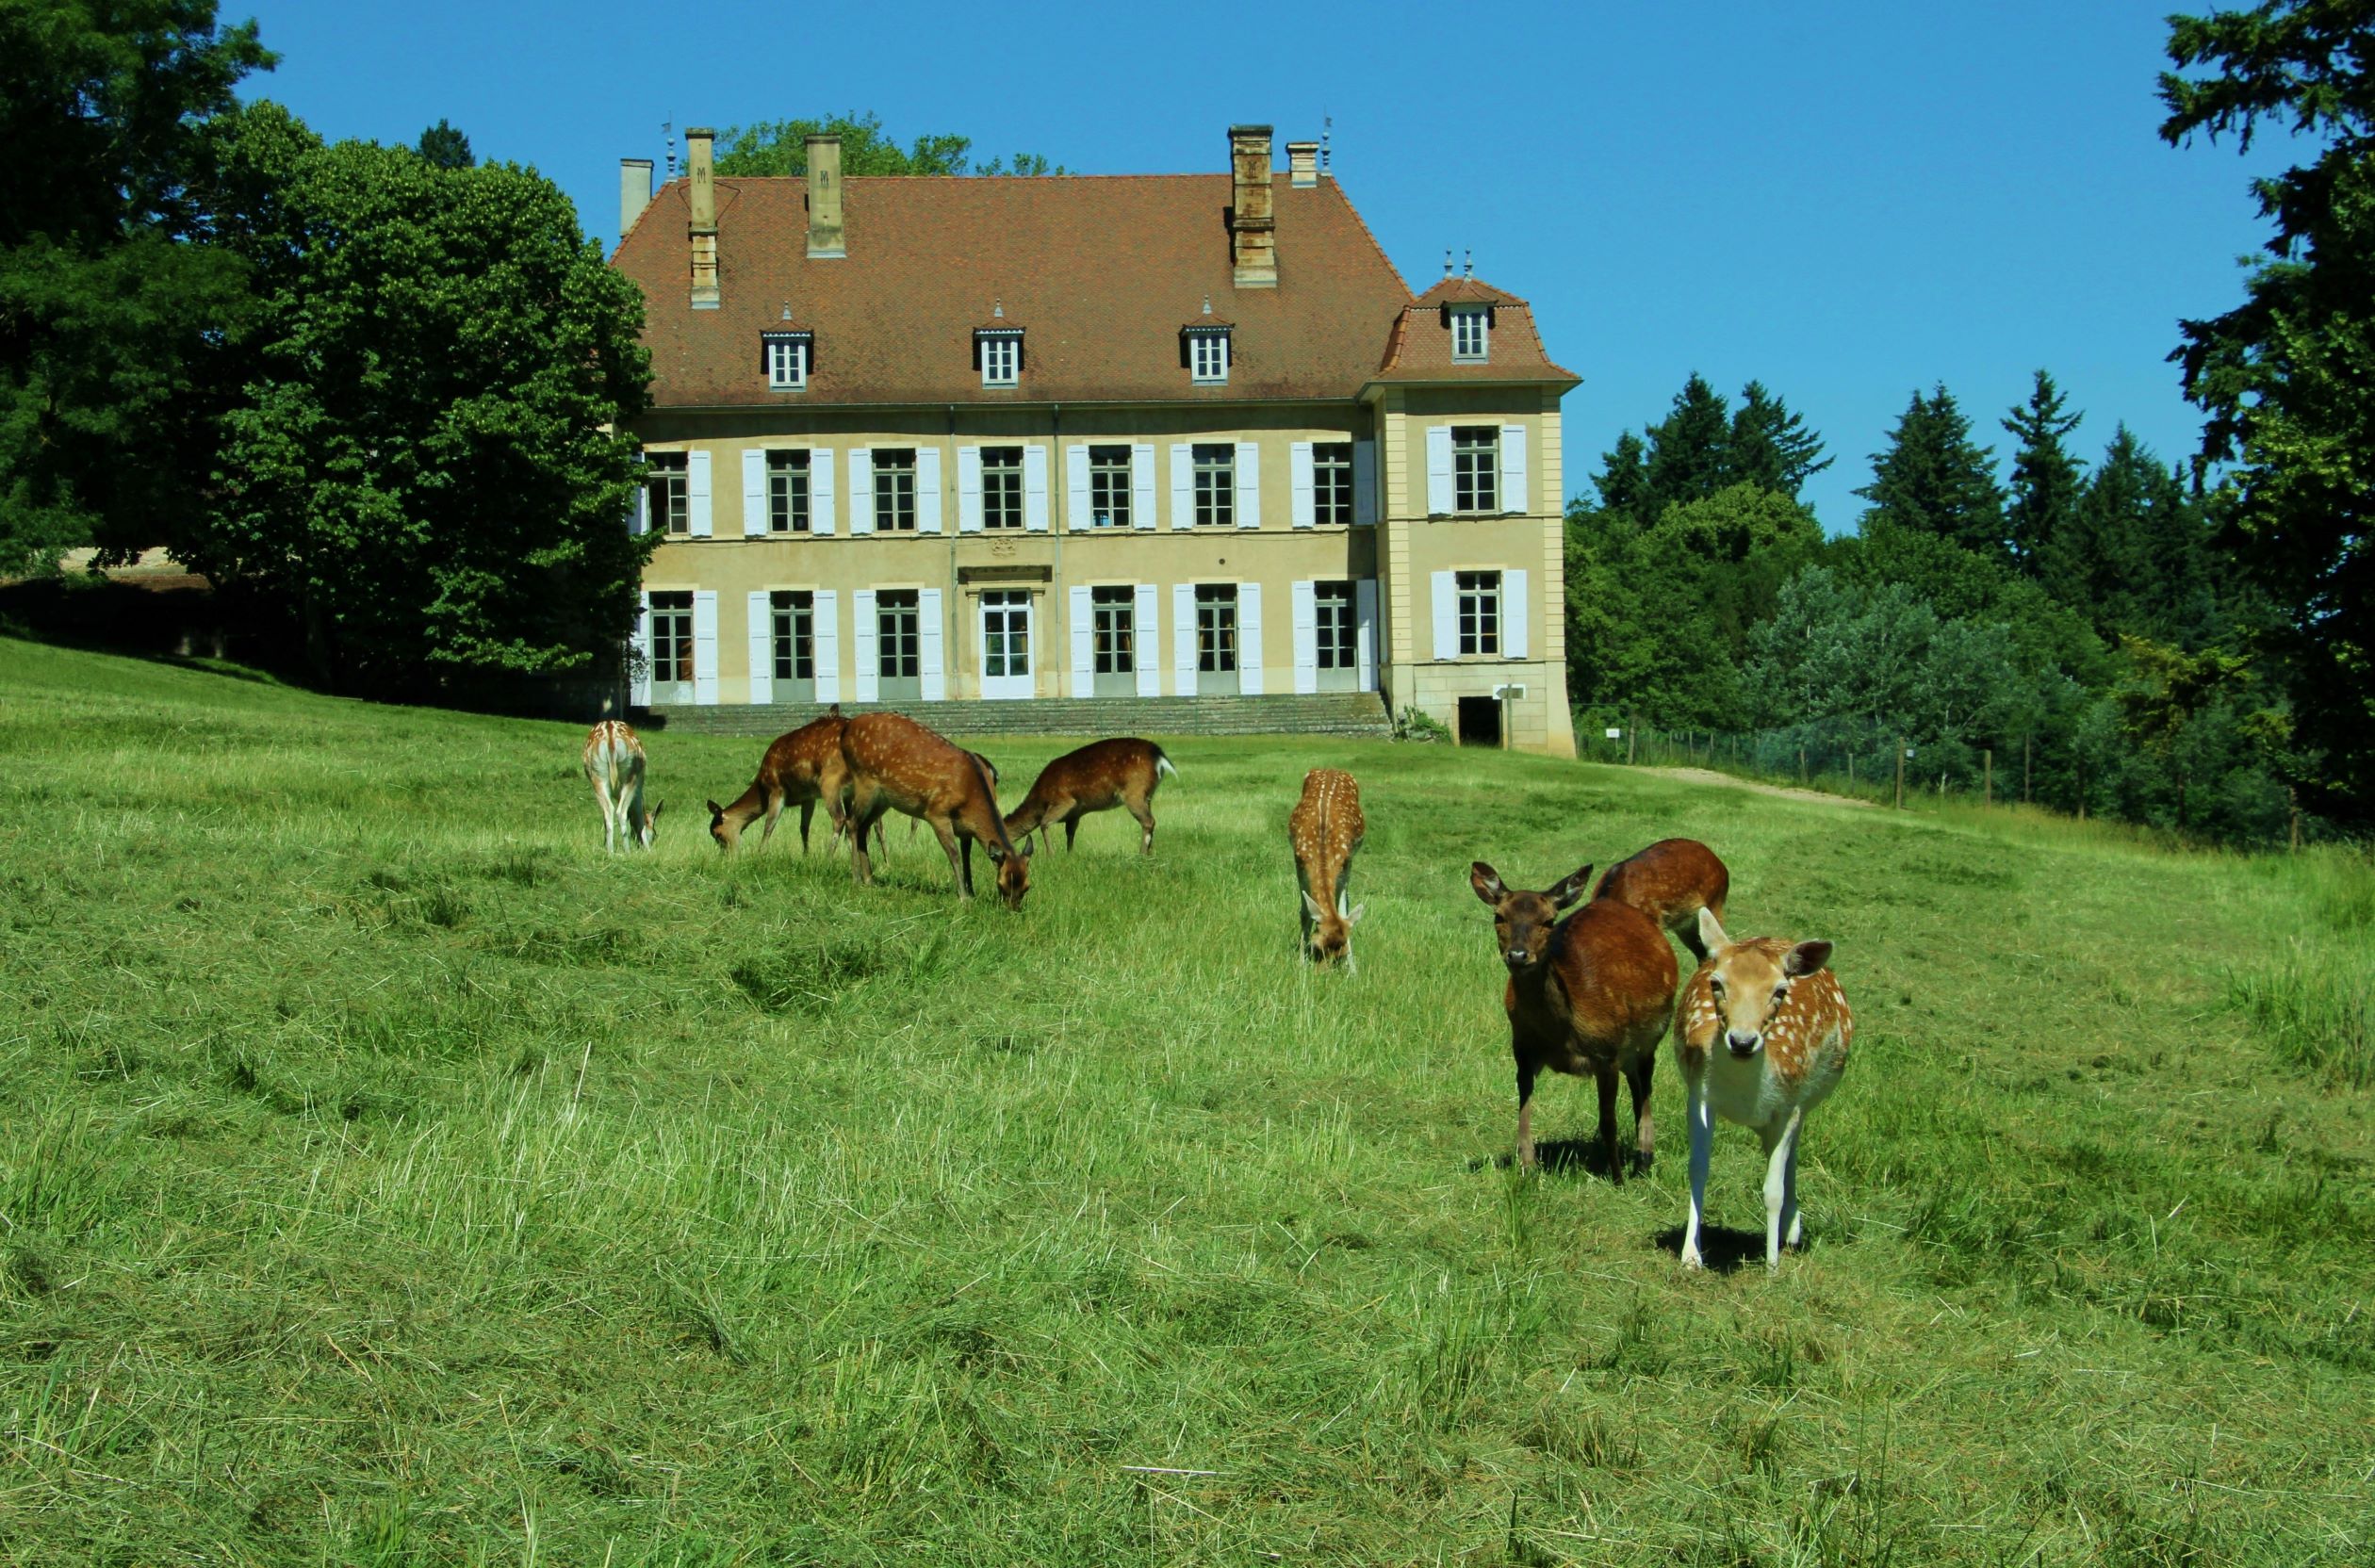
column 784, row 356
column 998, row 350
column 1471, row 335
column 1208, row 358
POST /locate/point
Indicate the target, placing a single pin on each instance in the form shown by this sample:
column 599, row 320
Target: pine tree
column 1686, row 451
column 445, row 147
column 1934, row 480
column 1769, row 446
column 1623, row 480
column 2046, row 479
column 2099, row 560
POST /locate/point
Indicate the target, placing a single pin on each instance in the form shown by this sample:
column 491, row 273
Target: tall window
column 899, row 643
column 1332, row 482
column 894, row 489
column 1216, row 627
column 1001, row 360
column 1109, row 487
column 1475, row 468
column 671, row 512
column 1215, row 484
column 1114, row 613
column 794, row 617
column 1479, row 611
column 1001, row 487
column 788, row 492
column 1336, row 633
column 787, row 364
column 672, row 638
column 1470, row 329
column 1208, row 358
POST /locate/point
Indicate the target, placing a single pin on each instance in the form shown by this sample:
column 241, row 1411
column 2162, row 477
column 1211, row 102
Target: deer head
column 726, row 833
column 1014, row 874
column 1523, row 921
column 1750, row 981
column 1332, row 929
column 647, row 830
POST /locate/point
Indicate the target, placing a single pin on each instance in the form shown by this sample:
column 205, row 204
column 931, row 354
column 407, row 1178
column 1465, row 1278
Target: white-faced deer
column 802, row 768
column 1326, row 830
column 1097, row 777
column 1589, row 995
column 614, row 766
column 1762, row 1038
column 895, row 764
column 1671, row 882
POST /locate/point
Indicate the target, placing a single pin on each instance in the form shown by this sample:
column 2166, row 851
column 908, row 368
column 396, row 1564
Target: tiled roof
column 1420, row 346
column 1104, row 269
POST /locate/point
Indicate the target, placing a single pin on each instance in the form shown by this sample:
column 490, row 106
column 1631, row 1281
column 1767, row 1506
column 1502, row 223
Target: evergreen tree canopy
column 1701, row 448
column 1686, row 459
column 1623, row 481
column 445, row 147
column 2284, row 377
column 1769, row 446
column 2046, row 479
column 781, row 147
column 1933, row 480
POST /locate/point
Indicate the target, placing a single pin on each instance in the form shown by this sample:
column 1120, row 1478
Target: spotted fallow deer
column 614, row 766
column 1097, row 777
column 1762, row 1038
column 895, row 764
column 1589, row 995
column 1671, row 882
column 799, row 769
column 1326, row 830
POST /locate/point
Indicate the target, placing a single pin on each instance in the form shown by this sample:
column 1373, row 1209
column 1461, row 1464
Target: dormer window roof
column 998, row 350
column 1204, row 348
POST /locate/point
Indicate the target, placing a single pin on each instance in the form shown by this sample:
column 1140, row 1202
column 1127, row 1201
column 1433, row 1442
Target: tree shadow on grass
column 1724, row 1248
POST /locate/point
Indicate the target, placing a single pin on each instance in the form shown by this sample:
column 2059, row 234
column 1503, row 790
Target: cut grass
column 392, row 1177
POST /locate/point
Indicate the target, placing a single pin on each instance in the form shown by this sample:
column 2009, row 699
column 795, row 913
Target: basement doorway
column 1480, row 721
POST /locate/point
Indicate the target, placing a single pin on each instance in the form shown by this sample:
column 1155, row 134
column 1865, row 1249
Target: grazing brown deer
column 1762, row 1038
column 1326, row 830
column 1589, row 994
column 1097, row 777
column 802, row 768
column 895, row 764
column 614, row 759
column 1671, row 882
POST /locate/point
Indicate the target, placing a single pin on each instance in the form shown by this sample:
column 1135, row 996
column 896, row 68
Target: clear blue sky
column 1846, row 200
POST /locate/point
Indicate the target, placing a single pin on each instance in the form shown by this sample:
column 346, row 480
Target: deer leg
column 1637, row 1074
column 808, row 812
column 1146, row 814
column 1525, row 1115
column 1792, row 1223
column 960, row 855
column 1780, row 1154
column 1605, row 1079
column 774, row 809
column 610, row 817
column 1072, row 826
column 858, row 818
column 1700, row 1116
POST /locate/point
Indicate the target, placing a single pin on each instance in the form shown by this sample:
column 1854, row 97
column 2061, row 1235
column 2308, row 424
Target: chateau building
column 922, row 440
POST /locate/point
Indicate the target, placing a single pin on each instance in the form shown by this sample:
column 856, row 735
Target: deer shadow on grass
column 1565, row 1156
column 1723, row 1249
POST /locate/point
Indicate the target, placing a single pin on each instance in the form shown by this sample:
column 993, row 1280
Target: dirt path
column 1705, row 776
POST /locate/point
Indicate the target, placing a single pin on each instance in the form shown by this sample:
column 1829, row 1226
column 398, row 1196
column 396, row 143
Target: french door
column 1005, row 643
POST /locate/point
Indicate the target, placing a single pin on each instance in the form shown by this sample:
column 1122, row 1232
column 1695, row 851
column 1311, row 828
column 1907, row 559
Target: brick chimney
column 1253, row 232
column 634, row 192
column 704, row 220
column 1302, row 164
column 825, row 240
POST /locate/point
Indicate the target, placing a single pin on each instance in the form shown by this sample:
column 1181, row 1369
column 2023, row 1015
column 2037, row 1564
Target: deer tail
column 1163, row 764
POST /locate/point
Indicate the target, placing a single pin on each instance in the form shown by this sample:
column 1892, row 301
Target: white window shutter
column 1447, row 616
column 1183, row 639
column 1364, row 630
column 969, row 489
column 1250, row 639
column 1299, row 507
column 1035, row 488
column 1142, row 485
column 868, row 637
column 1438, row 468
column 1076, row 488
column 754, row 492
column 1145, row 640
column 927, row 490
column 1249, row 485
column 762, row 629
column 639, row 515
column 927, row 640
column 1513, row 496
column 1084, row 641
column 1364, row 481
column 821, row 490
column 862, row 496
column 1182, row 484
column 639, row 677
column 1514, row 605
column 1306, row 638
column 705, row 647
column 696, row 495
column 827, row 624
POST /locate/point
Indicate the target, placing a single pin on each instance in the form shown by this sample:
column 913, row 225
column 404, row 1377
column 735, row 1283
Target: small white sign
column 1616, row 734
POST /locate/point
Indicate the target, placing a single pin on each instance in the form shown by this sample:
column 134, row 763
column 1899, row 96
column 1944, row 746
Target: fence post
column 1986, row 777
column 1631, row 733
column 1802, row 775
column 1900, row 773
column 2292, row 798
column 1851, row 773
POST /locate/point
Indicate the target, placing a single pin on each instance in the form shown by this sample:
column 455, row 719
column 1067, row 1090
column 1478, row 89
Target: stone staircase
column 1358, row 714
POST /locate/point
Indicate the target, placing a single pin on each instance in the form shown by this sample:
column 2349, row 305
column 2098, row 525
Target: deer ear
column 657, row 810
column 1027, row 846
column 1354, row 918
column 716, row 810
column 1312, row 906
column 1711, row 930
column 1805, row 958
column 1487, row 883
column 1571, row 890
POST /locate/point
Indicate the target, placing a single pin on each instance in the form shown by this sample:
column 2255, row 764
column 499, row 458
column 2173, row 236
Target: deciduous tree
column 781, row 147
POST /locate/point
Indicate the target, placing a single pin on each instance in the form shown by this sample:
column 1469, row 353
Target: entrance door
column 1005, row 643
column 1480, row 721
column 671, row 648
column 1334, row 636
column 1115, row 609
column 1216, row 640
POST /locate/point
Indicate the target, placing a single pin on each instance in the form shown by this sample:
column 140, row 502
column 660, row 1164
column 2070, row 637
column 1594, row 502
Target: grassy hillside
column 389, row 1177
